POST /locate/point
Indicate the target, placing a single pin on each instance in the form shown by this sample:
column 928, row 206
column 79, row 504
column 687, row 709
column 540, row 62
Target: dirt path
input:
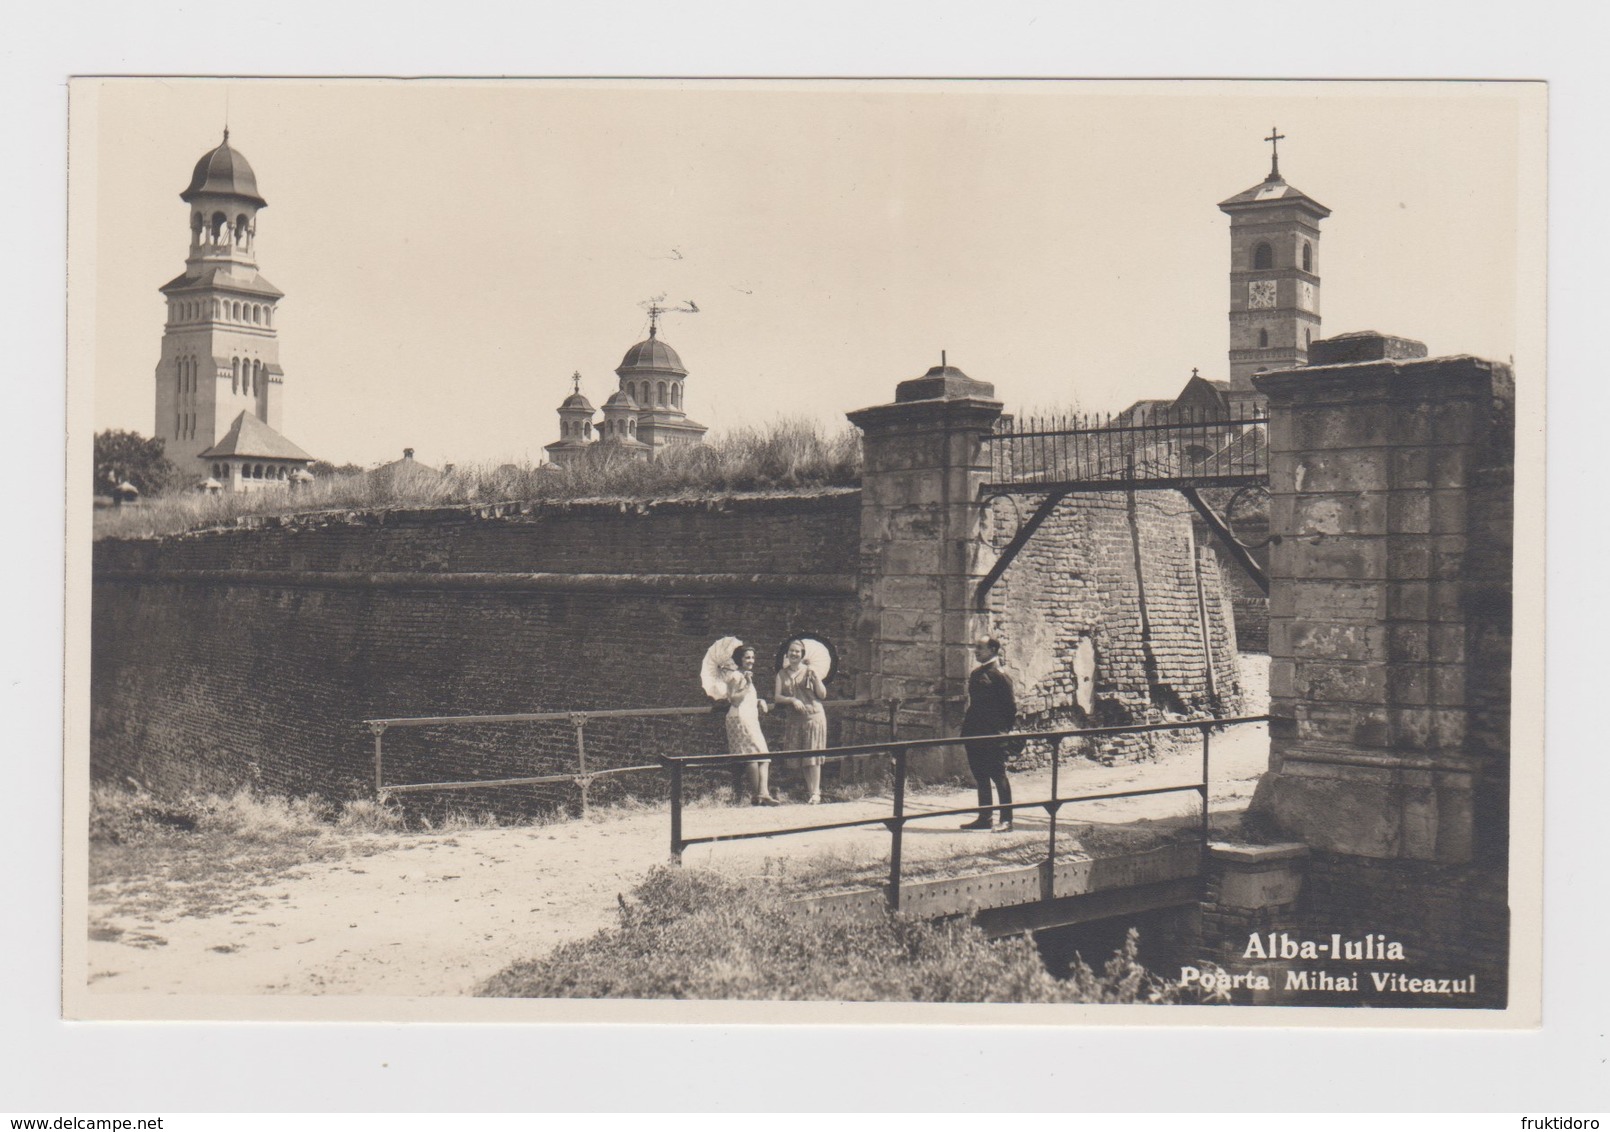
column 439, row 913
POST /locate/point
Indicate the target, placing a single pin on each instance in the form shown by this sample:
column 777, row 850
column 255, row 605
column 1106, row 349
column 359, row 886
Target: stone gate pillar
column 1391, row 481
column 924, row 457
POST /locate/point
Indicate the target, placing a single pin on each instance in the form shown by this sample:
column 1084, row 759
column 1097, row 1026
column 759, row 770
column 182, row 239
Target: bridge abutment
column 1389, row 603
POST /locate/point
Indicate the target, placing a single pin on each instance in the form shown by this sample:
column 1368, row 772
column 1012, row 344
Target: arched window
column 676, row 394
column 240, row 229
column 218, row 226
column 1308, row 338
column 1263, row 256
column 631, row 428
column 587, row 429
column 215, row 308
column 257, row 377
column 178, row 377
column 237, row 312
column 1308, row 256
column 268, row 316
column 1263, row 338
column 217, row 471
column 659, row 393
column 257, row 471
column 196, row 225
column 234, row 375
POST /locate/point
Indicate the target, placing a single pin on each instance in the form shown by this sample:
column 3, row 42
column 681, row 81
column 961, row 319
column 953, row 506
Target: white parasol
column 717, row 661
column 818, row 654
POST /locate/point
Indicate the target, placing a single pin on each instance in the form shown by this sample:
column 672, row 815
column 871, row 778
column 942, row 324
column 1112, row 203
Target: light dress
column 743, row 720
column 804, row 730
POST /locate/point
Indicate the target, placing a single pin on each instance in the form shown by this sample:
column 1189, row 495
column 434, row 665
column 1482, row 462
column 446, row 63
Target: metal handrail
column 900, row 749
column 581, row 777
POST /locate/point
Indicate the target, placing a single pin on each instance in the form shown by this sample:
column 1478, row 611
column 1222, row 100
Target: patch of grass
column 690, row 934
column 205, row 854
column 786, row 455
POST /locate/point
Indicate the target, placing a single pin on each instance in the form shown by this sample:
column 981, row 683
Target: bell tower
column 220, row 350
column 1274, row 274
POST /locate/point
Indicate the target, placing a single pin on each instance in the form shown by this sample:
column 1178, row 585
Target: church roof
column 651, row 355
column 1273, row 189
column 208, row 278
column 621, row 399
column 224, row 172
column 250, row 436
column 577, row 401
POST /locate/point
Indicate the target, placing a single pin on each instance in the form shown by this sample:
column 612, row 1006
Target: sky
column 451, row 252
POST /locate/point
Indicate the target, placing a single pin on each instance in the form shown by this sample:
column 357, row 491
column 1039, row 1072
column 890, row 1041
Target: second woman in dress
column 800, row 687
column 743, row 723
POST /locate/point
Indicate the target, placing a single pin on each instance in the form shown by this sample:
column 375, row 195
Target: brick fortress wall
column 250, row 657
column 1121, row 570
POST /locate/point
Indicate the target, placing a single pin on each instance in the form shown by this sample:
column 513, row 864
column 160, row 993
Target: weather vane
column 655, row 310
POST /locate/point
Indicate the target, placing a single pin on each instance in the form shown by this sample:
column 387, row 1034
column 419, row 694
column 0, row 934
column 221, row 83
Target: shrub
column 695, row 935
column 787, row 455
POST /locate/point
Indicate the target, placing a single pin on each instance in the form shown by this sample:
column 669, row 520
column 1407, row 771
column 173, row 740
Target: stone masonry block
column 1448, row 512
column 908, row 625
column 1409, row 512
column 1357, row 559
column 1339, row 514
column 1361, row 469
column 917, row 660
column 914, row 557
column 1341, row 683
column 919, row 592
column 1446, row 643
column 1324, row 640
column 1336, row 601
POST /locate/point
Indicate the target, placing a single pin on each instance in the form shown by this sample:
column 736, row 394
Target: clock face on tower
column 1261, row 293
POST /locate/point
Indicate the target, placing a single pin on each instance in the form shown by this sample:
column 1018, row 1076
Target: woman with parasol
column 728, row 674
column 804, row 664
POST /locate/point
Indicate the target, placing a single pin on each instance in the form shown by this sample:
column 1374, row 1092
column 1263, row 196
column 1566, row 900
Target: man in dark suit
column 991, row 709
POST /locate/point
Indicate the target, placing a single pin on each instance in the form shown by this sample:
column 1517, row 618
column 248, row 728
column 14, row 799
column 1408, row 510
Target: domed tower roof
column 621, row 399
column 224, row 172
column 577, row 401
column 651, row 355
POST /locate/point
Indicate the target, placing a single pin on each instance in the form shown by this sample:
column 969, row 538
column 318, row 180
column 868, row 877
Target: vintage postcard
column 805, row 551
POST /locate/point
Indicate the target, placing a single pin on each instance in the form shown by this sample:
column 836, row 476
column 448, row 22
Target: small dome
column 577, row 401
column 224, row 172
column 621, row 400
column 653, row 356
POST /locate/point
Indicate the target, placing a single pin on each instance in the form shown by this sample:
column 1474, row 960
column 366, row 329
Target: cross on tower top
column 1274, row 139
column 575, row 382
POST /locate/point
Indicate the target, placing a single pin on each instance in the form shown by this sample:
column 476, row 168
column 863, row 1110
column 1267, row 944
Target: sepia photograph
column 968, row 551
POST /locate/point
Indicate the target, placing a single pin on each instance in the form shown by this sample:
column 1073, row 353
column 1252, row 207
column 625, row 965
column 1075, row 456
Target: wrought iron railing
column 899, row 752
column 1094, row 451
column 584, row 768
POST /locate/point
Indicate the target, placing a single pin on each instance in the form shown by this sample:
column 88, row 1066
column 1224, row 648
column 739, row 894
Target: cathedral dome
column 622, row 400
column 651, row 356
column 224, row 172
column 577, row 401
